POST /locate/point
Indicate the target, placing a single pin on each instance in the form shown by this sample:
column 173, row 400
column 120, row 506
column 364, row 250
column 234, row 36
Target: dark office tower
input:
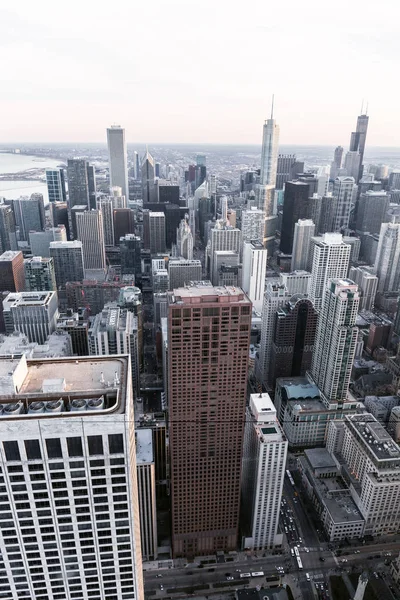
column 338, row 156
column 59, row 216
column 68, row 261
column 76, row 324
column 29, row 215
column 327, row 214
column 192, row 173
column 12, row 278
column 146, row 229
column 157, row 232
column 296, row 206
column 293, row 341
column 157, row 169
column 130, row 254
column 8, row 237
column 124, row 222
column 55, row 180
column 208, row 349
column 287, row 169
column 358, row 139
column 167, row 192
column 371, row 211
column 147, row 173
column 173, row 215
column 78, row 185
column 91, row 177
column 200, row 176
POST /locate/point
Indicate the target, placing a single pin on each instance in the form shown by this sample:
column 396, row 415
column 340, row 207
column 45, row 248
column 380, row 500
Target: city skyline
column 102, row 82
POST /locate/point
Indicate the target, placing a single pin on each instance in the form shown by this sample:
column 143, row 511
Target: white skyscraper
column 269, row 152
column 72, row 527
column 263, row 472
column 276, row 295
column 253, row 224
column 387, row 261
column 223, row 238
column 90, row 230
column 304, row 230
column 328, row 258
column 367, row 285
column 253, row 273
column 118, row 159
column 343, row 190
column 335, row 340
column 33, row 313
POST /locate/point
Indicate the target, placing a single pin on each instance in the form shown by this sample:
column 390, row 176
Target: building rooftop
column 70, row 244
column 144, row 446
column 320, row 458
column 28, row 299
column 300, row 388
column 9, row 255
column 372, row 434
column 195, row 293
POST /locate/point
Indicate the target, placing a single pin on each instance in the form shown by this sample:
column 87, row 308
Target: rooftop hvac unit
column 36, row 408
column 55, row 406
column 96, row 403
column 78, row 405
column 13, row 409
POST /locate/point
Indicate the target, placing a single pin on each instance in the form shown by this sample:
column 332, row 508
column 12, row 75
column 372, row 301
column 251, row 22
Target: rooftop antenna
column 272, row 107
column 366, row 110
column 362, row 106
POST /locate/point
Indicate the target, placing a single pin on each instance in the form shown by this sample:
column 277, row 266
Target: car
column 321, row 558
column 357, row 551
column 159, row 575
column 161, row 587
column 376, row 575
column 230, row 578
column 306, row 549
column 343, row 560
column 308, row 577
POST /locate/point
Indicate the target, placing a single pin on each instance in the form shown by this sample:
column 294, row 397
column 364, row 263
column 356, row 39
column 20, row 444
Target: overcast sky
column 198, row 70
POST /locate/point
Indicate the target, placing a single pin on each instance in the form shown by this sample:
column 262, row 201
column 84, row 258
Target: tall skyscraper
column 387, row 261
column 357, row 141
column 147, row 175
column 39, row 241
column 329, row 258
column 264, row 462
column 222, row 238
column 303, row 232
column 78, row 525
column 146, row 492
column 287, row 169
column 130, row 255
column 59, row 216
column 254, row 272
column 367, row 286
column 182, row 271
column 184, row 240
column 8, row 237
column 208, row 338
column 106, row 205
column 338, row 156
column 39, row 274
column 29, row 215
column 91, row 234
column 118, row 160
column 91, row 174
column 33, row 313
column 55, row 180
column 371, row 211
column 124, row 222
column 157, row 232
column 269, row 151
column 68, row 261
column 335, row 340
column 12, row 278
column 296, row 206
column 78, row 185
column 293, row 339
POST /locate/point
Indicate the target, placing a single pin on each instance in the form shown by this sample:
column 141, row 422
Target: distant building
column 91, row 234
column 68, row 262
column 12, row 277
column 254, row 272
column 32, row 313
column 157, row 232
column 118, row 162
column 40, row 241
column 304, row 230
column 29, row 215
column 55, row 180
column 39, row 274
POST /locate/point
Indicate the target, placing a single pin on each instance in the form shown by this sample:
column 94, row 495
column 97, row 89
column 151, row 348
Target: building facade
column 118, row 161
column 39, row 274
column 68, row 261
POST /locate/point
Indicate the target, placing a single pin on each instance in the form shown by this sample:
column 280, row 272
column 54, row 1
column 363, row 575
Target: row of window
column 54, row 449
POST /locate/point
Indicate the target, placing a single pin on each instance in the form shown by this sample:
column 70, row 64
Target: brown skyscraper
column 12, row 277
column 208, row 348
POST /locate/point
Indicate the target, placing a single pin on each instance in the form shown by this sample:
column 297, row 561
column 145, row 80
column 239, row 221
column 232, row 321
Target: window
column 32, row 448
column 116, row 443
column 11, row 450
column 54, row 448
column 75, row 446
column 95, row 444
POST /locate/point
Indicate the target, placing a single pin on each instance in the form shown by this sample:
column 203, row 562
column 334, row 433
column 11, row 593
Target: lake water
column 16, row 163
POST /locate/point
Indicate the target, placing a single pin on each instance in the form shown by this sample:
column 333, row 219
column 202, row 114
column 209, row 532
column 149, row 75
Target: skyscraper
column 287, row 168
column 124, row 222
column 78, row 525
column 157, row 232
column 91, row 234
column 33, row 313
column 59, row 216
column 39, row 274
column 91, row 175
column 329, row 258
column 147, row 175
column 55, row 180
column 29, row 215
column 367, row 286
column 335, row 340
column 78, row 185
column 39, row 241
column 253, row 224
column 254, row 272
column 371, row 211
column 357, row 142
column 303, row 232
column 118, row 160
column 184, row 240
column 264, row 461
column 68, row 261
column 182, row 271
column 338, row 156
column 387, row 261
column 8, row 237
column 269, row 152
column 130, row 255
column 106, row 205
column 296, row 206
column 222, row 238
column 12, row 278
column 208, row 337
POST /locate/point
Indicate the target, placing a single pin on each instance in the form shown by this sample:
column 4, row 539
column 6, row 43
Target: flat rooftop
column 28, row 298
column 320, row 458
column 300, row 388
column 207, row 293
column 9, row 255
column 372, row 434
column 144, row 446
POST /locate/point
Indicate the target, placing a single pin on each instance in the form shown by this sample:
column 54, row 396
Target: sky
column 198, row 71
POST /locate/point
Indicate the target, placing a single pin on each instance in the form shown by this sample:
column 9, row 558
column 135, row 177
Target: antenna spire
column 366, row 110
column 362, row 106
column 272, row 106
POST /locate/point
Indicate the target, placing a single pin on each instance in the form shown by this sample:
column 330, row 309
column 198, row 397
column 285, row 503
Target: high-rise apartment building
column 329, row 258
column 148, row 175
column 78, row 184
column 12, row 277
column 253, row 224
column 367, row 286
column 39, row 274
column 297, row 282
column 293, row 339
column 115, row 331
column 29, row 215
column 91, row 233
column 72, row 528
column 208, row 348
column 371, row 211
column 264, row 462
column 343, row 190
column 335, row 340
column 33, row 313
column 276, row 295
column 157, row 232
column 387, row 261
column 357, row 142
column 68, row 261
column 55, row 180
column 296, row 206
column 8, row 237
column 181, row 272
column 304, row 230
column 118, row 161
column 254, row 272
